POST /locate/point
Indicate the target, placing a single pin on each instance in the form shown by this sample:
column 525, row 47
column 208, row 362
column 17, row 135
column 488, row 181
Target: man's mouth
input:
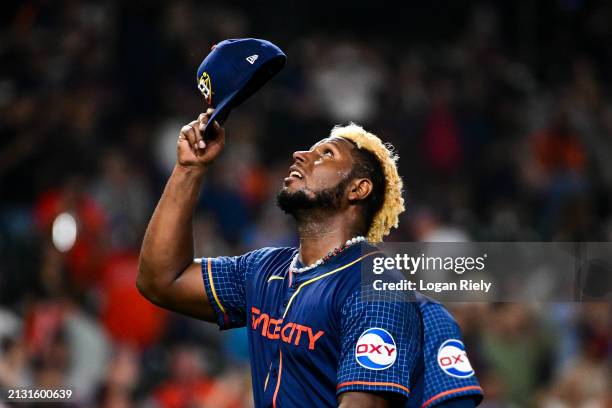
column 296, row 174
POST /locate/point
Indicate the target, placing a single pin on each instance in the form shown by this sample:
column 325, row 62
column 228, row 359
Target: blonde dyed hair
column 392, row 206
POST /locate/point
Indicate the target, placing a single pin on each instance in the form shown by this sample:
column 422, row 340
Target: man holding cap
column 313, row 341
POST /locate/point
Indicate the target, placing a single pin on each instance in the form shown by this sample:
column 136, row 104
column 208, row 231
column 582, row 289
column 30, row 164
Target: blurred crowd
column 501, row 114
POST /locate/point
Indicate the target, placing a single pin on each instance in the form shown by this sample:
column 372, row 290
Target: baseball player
column 313, row 339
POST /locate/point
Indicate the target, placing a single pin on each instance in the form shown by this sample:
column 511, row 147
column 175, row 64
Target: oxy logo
column 453, row 360
column 376, row 349
column 252, row 59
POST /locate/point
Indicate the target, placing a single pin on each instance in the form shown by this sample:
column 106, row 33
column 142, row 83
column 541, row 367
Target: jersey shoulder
column 273, row 254
column 268, row 259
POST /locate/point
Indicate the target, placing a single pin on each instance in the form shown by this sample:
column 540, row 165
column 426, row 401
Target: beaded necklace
column 320, row 261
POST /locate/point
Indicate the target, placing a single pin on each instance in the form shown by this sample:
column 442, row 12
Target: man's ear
column 359, row 189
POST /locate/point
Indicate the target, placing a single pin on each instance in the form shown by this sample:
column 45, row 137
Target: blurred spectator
column 189, row 386
column 426, row 227
column 501, row 114
column 127, row 316
column 585, row 381
column 123, row 194
column 558, row 151
column 559, row 171
column 122, row 377
column 69, row 348
column 347, row 80
column 442, row 144
column 14, row 363
column 519, row 350
column 84, row 252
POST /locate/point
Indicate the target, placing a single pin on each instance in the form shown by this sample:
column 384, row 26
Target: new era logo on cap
column 252, row 59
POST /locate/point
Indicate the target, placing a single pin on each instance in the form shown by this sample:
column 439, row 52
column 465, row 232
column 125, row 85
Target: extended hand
column 191, row 148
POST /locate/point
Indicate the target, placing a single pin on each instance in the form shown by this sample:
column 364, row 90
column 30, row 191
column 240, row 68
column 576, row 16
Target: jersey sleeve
column 380, row 342
column 225, row 280
column 447, row 369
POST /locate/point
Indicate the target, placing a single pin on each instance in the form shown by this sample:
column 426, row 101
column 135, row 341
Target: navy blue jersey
column 314, row 335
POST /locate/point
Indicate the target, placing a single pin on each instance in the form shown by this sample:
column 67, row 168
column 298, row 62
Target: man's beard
column 299, row 203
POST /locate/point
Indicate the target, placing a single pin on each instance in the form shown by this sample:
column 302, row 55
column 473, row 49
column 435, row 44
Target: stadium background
column 500, row 111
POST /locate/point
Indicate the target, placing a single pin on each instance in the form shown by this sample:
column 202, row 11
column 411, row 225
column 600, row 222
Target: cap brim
column 220, row 113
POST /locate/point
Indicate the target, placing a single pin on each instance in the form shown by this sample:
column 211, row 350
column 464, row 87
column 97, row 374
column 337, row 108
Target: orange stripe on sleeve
column 212, row 286
column 385, row 384
column 445, row 393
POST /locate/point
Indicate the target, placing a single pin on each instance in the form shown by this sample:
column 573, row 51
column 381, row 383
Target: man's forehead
column 340, row 142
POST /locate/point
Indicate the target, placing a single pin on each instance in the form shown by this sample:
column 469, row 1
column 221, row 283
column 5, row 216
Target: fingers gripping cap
column 233, row 71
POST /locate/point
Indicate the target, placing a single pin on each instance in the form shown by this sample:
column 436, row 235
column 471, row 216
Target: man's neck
column 319, row 237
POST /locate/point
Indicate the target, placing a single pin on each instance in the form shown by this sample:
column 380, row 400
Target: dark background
column 500, row 112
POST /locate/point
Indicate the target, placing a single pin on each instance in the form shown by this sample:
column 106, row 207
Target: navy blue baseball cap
column 234, row 70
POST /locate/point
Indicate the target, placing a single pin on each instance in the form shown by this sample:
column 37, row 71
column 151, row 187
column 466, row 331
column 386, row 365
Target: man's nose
column 300, row 156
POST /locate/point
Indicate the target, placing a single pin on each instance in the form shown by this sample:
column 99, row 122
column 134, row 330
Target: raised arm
column 168, row 275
